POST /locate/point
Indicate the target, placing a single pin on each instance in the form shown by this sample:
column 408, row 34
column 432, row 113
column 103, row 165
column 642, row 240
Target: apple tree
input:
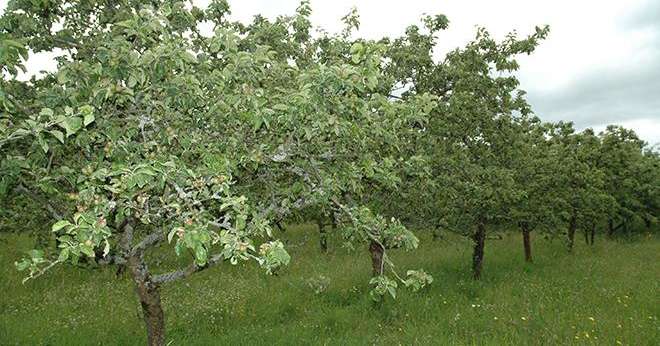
column 155, row 132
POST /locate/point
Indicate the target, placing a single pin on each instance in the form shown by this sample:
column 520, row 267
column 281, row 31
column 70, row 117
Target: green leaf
column 22, row 265
column 372, row 81
column 87, row 250
column 71, row 125
column 357, row 51
column 46, row 112
column 392, row 291
column 171, row 235
column 88, row 114
column 59, row 225
column 200, row 255
column 64, row 255
column 257, row 121
column 57, row 134
column 43, row 144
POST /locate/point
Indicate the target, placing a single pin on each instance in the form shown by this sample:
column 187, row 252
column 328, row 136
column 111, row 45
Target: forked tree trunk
column 479, row 238
column 323, row 236
column 377, row 252
column 149, row 296
column 527, row 243
column 572, row 226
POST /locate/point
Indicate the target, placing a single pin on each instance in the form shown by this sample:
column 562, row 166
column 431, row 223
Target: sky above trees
column 600, row 64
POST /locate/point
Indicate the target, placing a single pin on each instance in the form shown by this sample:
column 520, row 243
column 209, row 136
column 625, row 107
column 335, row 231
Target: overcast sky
column 600, row 64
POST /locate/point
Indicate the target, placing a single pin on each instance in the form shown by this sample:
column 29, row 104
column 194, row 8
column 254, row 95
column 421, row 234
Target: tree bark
column 527, row 244
column 323, row 236
column 479, row 238
column 377, row 252
column 149, row 295
column 278, row 224
column 572, row 226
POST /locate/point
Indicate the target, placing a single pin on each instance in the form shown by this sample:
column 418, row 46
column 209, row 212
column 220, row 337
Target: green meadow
column 601, row 295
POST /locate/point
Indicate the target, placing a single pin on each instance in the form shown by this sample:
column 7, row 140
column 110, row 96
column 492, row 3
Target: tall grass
column 601, row 295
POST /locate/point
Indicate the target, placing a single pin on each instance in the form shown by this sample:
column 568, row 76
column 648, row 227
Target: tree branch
column 149, row 240
column 53, row 212
column 186, row 272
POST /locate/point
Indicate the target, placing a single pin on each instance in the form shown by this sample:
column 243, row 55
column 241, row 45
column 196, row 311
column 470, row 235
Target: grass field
column 605, row 295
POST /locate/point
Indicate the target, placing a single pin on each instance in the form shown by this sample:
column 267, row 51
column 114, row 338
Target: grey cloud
column 605, row 95
column 647, row 15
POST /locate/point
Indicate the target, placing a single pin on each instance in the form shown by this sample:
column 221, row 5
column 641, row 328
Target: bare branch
column 186, row 272
column 148, row 241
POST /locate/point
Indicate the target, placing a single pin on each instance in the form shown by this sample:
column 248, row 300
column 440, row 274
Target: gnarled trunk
column 527, row 243
column 149, row 296
column 572, row 226
column 479, row 238
column 377, row 252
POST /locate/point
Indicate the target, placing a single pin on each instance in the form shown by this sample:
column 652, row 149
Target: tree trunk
column 479, row 238
column 610, row 228
column 572, row 226
column 527, row 243
column 149, row 296
column 323, row 236
column 593, row 234
column 586, row 237
column 377, row 252
column 278, row 224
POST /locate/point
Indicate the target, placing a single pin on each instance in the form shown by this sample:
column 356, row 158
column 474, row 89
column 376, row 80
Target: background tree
column 475, row 131
column 582, row 183
column 535, row 172
column 626, row 178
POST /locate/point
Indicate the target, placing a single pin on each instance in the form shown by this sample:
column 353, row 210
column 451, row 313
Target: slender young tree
column 536, row 178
